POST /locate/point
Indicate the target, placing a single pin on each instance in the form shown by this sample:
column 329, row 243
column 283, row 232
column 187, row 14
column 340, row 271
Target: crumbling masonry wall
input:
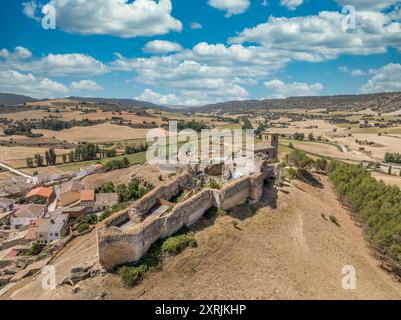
column 116, row 246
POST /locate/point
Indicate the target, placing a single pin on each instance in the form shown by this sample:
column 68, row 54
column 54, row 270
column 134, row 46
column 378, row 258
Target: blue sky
column 175, row 52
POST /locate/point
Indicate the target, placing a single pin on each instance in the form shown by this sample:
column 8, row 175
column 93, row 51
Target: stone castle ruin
column 126, row 236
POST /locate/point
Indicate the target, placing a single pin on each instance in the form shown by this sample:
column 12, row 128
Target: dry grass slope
column 282, row 251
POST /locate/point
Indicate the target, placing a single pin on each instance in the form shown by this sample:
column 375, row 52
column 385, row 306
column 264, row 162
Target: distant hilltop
column 14, row 99
column 384, row 102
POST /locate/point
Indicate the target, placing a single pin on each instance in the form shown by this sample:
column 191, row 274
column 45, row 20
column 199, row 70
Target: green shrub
column 334, row 220
column 34, row 250
column 115, row 208
column 42, row 256
column 176, row 244
column 131, row 276
column 292, row 173
column 83, row 227
column 298, row 159
column 213, row 184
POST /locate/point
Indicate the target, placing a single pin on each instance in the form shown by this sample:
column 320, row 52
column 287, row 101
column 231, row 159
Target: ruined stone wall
column 117, row 247
column 235, row 193
column 164, row 192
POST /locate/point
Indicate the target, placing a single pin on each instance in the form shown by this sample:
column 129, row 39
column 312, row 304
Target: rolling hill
column 386, row 102
column 14, row 99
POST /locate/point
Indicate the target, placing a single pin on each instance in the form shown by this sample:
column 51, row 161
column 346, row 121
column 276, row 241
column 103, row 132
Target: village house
column 87, row 200
column 6, row 205
column 58, row 227
column 69, row 193
column 97, row 202
column 104, row 201
column 52, row 229
column 40, row 195
column 73, row 212
column 42, row 231
column 30, row 236
column 26, row 215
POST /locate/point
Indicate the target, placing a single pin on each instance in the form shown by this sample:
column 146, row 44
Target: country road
column 20, row 173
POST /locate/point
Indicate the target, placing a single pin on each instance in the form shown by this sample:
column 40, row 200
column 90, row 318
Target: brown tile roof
column 87, row 195
column 71, row 186
column 40, row 192
column 30, row 211
column 31, row 235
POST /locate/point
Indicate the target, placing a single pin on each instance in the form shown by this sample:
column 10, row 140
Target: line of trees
column 38, row 160
column 136, row 148
column 116, row 164
column 392, row 157
column 376, row 206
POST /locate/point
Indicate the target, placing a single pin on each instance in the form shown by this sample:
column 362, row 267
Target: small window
column 56, row 234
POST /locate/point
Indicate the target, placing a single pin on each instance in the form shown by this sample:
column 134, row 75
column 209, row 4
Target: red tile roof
column 87, row 195
column 40, row 192
column 11, row 254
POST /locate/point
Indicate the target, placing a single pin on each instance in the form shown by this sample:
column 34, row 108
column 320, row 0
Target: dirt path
column 290, row 250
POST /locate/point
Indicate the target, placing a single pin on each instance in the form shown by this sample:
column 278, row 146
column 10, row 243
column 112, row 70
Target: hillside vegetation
column 377, row 206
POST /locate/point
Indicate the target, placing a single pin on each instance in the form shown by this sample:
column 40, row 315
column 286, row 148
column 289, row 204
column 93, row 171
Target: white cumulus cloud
column 320, row 37
column 73, row 64
column 279, row 89
column 232, row 7
column 368, row 4
column 385, row 79
column 12, row 81
column 291, row 4
column 157, row 98
column 195, row 26
column 162, row 46
column 85, row 85
column 122, row 18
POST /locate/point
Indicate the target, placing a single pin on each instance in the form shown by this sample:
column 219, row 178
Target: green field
column 135, row 158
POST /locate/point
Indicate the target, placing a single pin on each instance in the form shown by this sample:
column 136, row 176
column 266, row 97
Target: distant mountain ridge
column 387, row 102
column 128, row 103
column 14, row 99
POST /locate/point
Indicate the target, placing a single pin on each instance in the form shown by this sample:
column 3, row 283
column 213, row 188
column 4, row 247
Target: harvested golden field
column 125, row 115
column 284, row 249
column 54, row 102
column 387, row 179
column 327, row 150
column 16, row 156
column 383, row 143
column 105, row 132
column 6, row 175
column 323, row 128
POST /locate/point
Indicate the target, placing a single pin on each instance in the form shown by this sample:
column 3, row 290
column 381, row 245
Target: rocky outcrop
column 82, row 272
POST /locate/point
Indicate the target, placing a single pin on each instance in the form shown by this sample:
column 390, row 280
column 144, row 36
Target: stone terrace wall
column 117, row 247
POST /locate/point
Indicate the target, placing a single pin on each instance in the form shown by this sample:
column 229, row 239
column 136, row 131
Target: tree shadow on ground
column 307, row 177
